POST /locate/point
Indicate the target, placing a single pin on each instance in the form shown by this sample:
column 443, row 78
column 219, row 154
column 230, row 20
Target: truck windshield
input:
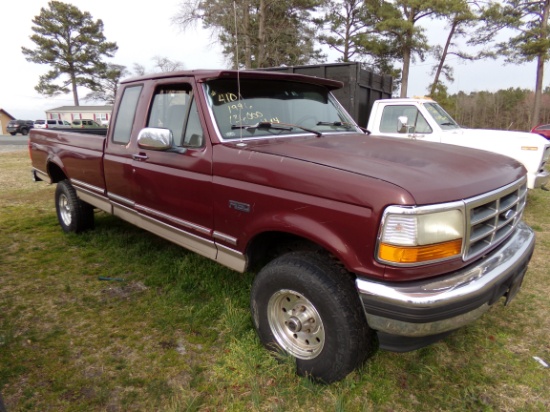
column 287, row 107
column 442, row 118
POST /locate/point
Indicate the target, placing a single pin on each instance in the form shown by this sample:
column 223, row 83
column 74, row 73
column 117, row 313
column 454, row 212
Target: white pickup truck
column 424, row 119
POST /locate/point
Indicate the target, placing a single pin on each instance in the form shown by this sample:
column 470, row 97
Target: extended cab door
column 417, row 126
column 117, row 161
column 170, row 191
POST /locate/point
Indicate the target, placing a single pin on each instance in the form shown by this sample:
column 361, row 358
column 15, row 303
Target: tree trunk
column 406, row 69
column 247, row 45
column 407, row 52
column 538, row 92
column 261, row 34
column 443, row 57
column 346, row 56
column 75, row 90
column 540, row 66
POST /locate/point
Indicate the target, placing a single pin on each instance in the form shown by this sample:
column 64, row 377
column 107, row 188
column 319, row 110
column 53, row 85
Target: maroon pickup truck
column 357, row 240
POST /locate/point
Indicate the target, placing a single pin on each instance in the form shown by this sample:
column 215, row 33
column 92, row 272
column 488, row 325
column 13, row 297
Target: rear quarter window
column 126, row 114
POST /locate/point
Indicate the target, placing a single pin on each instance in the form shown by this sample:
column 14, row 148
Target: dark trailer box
column 362, row 86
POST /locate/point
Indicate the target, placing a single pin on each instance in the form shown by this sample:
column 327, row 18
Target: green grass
column 171, row 331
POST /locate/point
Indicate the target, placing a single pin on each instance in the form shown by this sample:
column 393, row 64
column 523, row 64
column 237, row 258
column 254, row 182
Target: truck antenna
column 238, row 69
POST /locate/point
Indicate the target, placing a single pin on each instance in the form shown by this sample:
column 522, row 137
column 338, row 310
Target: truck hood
column 520, row 136
column 508, row 143
column 429, row 172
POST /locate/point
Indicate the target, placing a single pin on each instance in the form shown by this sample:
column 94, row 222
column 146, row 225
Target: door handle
column 140, row 157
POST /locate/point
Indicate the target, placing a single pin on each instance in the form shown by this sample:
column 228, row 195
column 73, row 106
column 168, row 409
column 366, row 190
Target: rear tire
column 24, row 132
column 306, row 305
column 73, row 214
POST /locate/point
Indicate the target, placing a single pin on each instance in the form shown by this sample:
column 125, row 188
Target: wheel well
column 270, row 245
column 267, row 246
column 55, row 173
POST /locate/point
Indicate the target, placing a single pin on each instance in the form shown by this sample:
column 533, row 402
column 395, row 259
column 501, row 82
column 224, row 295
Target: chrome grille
column 493, row 217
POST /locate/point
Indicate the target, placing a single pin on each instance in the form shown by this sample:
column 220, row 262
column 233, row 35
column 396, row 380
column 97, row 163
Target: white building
column 101, row 114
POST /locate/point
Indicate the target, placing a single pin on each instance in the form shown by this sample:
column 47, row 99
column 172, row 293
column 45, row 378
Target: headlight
column 412, row 236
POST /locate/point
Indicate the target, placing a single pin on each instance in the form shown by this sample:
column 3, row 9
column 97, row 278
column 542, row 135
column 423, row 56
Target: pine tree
column 398, row 25
column 463, row 17
column 350, row 28
column 529, row 20
column 269, row 32
column 73, row 45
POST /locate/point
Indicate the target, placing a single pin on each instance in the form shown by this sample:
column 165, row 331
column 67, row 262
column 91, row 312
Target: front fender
column 342, row 230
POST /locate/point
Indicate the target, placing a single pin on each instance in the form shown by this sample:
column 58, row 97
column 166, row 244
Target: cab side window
column 415, row 119
column 173, row 108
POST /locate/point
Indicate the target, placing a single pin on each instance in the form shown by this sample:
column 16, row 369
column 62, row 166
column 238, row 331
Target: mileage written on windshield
column 239, row 111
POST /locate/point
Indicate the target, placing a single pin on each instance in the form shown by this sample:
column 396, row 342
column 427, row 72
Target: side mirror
column 152, row 138
column 402, row 126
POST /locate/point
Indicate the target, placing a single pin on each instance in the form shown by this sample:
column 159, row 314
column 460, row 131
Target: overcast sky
column 143, row 32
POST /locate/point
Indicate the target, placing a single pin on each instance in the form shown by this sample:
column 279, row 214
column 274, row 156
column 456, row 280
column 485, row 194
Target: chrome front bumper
column 429, row 308
column 541, row 179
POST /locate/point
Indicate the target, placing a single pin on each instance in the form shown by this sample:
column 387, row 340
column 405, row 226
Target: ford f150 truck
column 355, row 239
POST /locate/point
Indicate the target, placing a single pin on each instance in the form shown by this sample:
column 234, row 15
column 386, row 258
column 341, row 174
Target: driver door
column 173, row 190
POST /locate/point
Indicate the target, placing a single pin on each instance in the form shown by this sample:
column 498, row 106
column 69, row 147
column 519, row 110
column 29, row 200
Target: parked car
column 84, row 123
column 51, row 123
column 19, row 126
column 543, row 130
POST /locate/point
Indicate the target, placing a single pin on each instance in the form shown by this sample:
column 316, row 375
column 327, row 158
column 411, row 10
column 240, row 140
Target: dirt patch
column 121, row 291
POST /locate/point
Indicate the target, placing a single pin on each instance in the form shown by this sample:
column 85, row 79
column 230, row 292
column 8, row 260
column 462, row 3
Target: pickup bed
column 352, row 237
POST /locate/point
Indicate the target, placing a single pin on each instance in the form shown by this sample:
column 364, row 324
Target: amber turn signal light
column 419, row 254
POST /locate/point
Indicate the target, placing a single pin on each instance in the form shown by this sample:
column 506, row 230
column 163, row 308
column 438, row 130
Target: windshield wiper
column 347, row 126
column 336, row 124
column 276, row 126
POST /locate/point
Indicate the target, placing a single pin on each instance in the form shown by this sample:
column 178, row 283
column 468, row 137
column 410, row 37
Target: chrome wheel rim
column 296, row 324
column 65, row 210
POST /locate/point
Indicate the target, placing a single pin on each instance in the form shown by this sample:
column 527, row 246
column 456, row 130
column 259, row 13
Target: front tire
column 306, row 305
column 73, row 214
